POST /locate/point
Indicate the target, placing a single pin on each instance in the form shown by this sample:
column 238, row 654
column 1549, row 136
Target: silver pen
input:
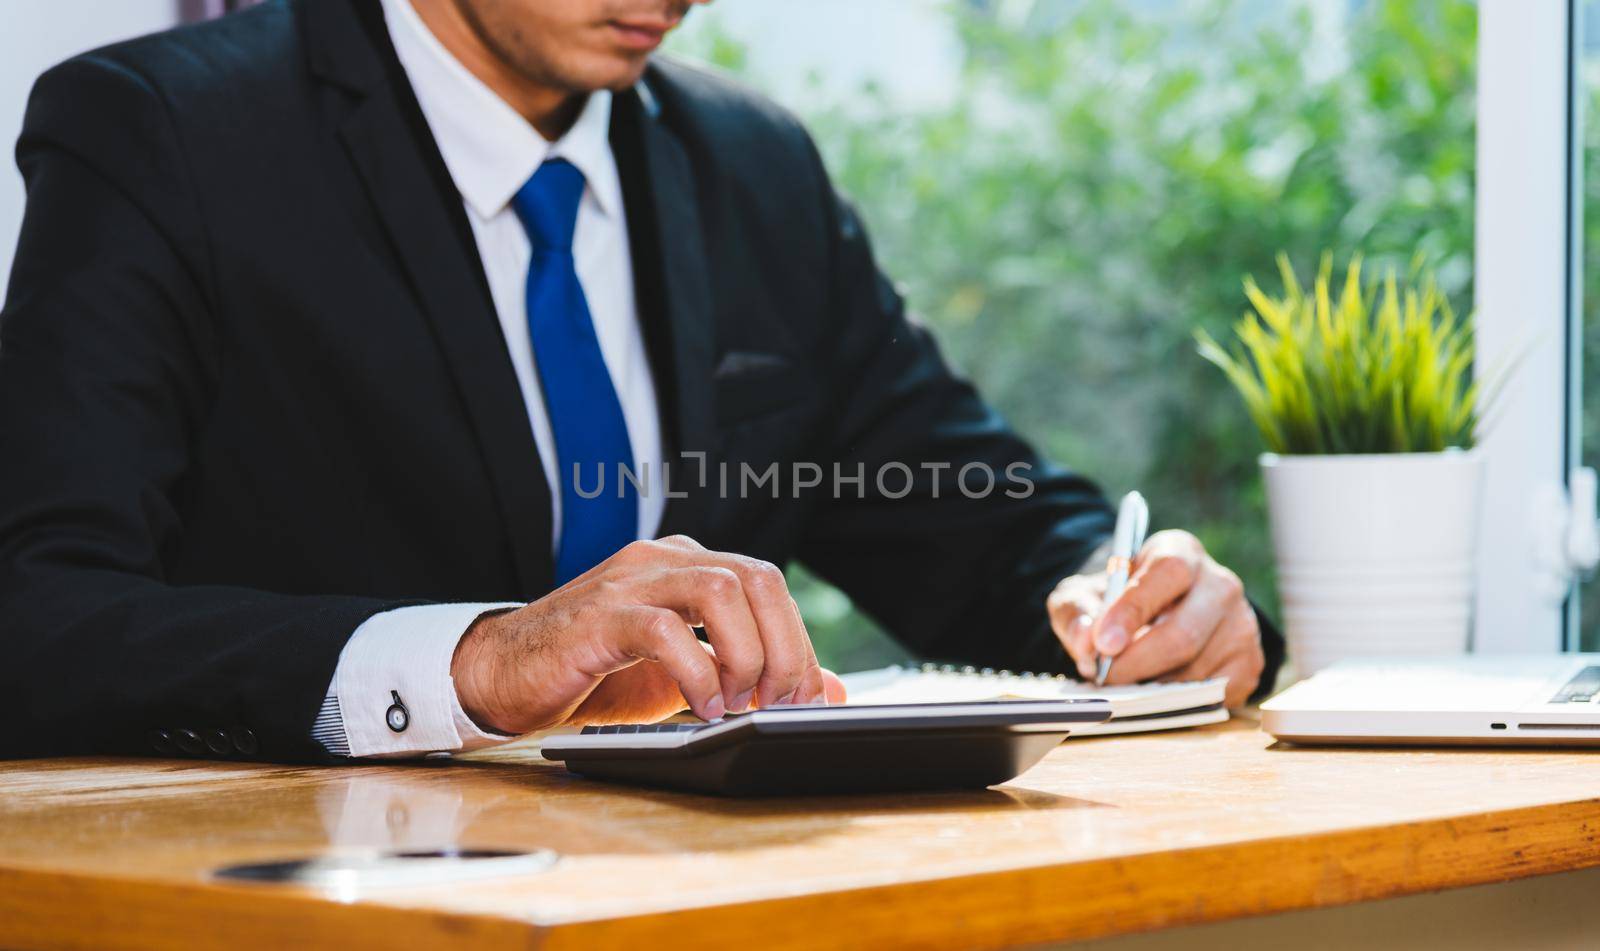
column 1133, row 521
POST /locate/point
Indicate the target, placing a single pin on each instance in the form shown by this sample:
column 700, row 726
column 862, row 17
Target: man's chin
column 615, row 72
column 625, row 79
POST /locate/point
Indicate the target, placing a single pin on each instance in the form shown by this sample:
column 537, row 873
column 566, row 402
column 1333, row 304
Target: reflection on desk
column 1106, row 836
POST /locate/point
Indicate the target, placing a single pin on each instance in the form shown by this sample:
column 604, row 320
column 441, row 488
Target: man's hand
column 1181, row 617
column 615, row 644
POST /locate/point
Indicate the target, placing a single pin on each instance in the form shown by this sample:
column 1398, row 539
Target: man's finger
column 1236, row 648
column 786, row 647
column 783, row 635
column 1243, row 674
column 660, row 635
column 1179, row 635
column 1235, row 634
column 1072, row 608
column 1081, row 647
column 1160, row 579
column 714, row 597
column 813, row 683
column 833, row 688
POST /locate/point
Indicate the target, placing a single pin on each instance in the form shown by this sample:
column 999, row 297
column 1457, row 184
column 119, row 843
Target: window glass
column 1067, row 189
column 1588, row 90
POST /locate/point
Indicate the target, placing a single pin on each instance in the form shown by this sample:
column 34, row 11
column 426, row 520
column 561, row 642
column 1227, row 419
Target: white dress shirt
column 491, row 151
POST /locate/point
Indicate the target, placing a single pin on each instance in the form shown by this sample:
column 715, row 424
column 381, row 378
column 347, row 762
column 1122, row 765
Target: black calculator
column 807, row 750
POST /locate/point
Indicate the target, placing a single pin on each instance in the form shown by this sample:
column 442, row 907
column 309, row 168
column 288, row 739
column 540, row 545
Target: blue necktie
column 585, row 416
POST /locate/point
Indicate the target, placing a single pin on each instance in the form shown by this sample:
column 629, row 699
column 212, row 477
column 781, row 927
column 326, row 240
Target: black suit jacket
column 253, row 390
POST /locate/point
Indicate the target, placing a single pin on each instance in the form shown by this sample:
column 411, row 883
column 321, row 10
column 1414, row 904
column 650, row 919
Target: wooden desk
column 1105, row 837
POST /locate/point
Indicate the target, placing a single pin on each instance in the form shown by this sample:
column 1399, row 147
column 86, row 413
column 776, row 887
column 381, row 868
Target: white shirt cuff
column 405, row 652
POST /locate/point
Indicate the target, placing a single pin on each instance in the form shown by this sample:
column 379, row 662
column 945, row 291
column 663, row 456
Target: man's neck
column 551, row 111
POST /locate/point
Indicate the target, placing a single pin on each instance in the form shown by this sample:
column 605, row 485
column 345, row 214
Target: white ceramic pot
column 1376, row 553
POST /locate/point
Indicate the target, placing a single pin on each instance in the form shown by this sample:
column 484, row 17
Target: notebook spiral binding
column 987, row 672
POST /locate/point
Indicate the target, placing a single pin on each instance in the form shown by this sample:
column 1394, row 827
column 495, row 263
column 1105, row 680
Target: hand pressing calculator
column 780, row 751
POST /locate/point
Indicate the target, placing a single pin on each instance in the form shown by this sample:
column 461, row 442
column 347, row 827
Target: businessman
column 384, row 377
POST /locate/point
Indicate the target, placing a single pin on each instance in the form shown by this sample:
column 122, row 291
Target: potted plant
column 1368, row 407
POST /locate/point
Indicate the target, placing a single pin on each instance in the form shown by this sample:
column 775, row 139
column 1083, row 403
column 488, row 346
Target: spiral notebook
column 1136, row 708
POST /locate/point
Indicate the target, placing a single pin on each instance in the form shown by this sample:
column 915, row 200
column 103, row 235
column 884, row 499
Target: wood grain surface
column 1106, row 836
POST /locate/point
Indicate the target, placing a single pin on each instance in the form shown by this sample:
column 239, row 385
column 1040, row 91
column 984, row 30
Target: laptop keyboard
column 1581, row 688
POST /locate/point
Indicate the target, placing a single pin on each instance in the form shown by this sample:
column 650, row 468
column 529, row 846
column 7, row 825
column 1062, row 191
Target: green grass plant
column 1380, row 367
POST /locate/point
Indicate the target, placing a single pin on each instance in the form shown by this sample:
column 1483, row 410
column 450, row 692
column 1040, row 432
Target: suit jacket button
column 189, row 741
column 161, row 741
column 245, row 741
column 217, row 742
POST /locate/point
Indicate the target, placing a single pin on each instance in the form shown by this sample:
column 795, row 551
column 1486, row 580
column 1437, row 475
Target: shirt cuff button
column 397, row 716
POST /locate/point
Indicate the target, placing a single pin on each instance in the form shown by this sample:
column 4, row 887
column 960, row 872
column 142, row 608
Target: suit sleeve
column 107, row 364
column 955, row 550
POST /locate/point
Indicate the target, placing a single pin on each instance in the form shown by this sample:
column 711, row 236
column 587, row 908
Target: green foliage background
column 1097, row 189
column 1589, row 599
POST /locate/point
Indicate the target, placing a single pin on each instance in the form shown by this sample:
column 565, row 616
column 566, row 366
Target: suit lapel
column 411, row 193
column 674, row 294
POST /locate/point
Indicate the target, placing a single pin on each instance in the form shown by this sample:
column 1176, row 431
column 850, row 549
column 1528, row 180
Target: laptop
column 1479, row 699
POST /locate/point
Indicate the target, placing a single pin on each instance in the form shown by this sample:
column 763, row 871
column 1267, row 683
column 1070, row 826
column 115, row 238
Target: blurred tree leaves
column 1104, row 178
column 1589, row 599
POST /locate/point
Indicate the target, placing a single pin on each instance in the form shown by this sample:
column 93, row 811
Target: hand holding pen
column 1178, row 616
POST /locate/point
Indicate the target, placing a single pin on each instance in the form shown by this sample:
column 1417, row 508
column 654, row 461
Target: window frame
column 1528, row 306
